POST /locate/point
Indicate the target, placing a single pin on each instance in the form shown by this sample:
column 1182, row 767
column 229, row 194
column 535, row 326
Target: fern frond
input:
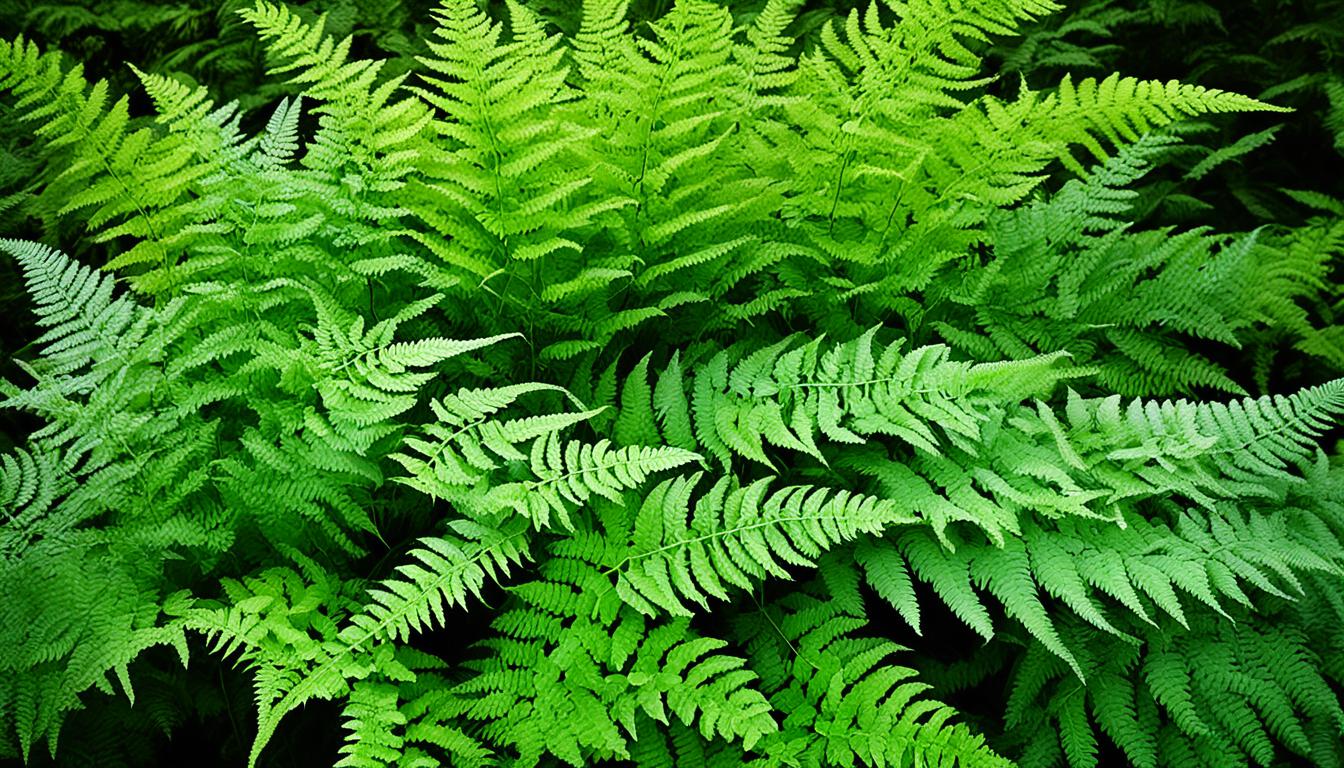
column 447, row 574
column 362, row 127
column 373, row 720
column 139, row 178
column 567, row 478
column 689, row 548
column 1253, row 693
column 846, row 701
column 568, row 654
column 278, row 145
column 469, row 445
column 86, row 323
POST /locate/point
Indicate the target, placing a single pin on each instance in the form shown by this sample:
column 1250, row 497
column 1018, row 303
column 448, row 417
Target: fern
column 679, row 350
column 110, row 170
column 1097, row 296
column 1255, row 688
column 137, row 434
column 735, row 535
column 845, row 691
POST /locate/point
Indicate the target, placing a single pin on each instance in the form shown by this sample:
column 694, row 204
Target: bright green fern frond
column 499, row 191
column 1067, row 275
column 1114, row 111
column 321, row 63
column 86, row 324
column 1245, row 441
column 30, row 483
column 688, row 547
column 278, row 145
column 210, row 132
column 446, row 573
column 468, row 443
column 570, row 671
column 375, row 725
column 567, row 477
column 374, row 380
column 794, row 397
column 363, row 131
column 766, row 60
column 109, row 172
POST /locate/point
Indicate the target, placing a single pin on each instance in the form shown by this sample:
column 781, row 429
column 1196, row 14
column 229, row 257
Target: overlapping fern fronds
column 676, row 355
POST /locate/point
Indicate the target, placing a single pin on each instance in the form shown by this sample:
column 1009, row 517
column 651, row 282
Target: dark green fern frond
column 1128, row 301
column 1223, row 692
column 844, row 698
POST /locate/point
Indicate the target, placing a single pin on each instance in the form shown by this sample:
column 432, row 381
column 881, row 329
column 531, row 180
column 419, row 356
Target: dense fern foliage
column 660, row 386
column 1234, row 172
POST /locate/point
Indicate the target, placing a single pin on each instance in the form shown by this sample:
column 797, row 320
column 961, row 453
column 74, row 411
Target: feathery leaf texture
column 683, row 352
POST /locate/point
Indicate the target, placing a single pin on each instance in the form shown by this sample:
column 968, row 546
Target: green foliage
column 567, row 398
column 1234, row 172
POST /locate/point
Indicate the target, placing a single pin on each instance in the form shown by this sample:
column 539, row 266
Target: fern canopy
column 667, row 390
